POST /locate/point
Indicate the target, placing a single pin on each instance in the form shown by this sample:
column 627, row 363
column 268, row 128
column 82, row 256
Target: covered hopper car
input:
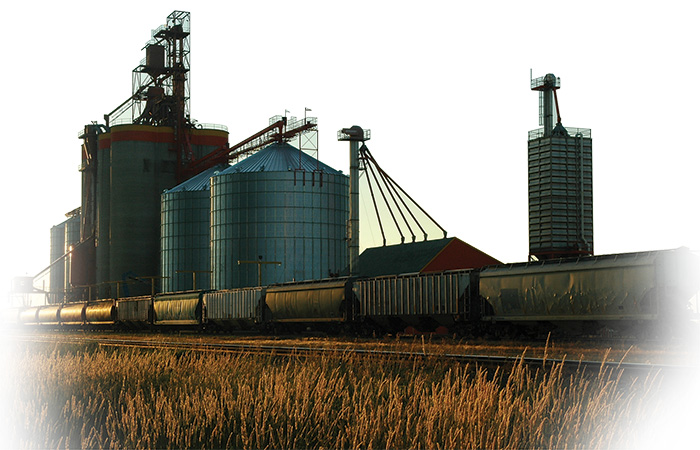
column 632, row 293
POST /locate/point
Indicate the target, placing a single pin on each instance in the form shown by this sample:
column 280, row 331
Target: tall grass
column 65, row 397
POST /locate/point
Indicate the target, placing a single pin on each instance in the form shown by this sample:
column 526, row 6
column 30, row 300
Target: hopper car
column 623, row 294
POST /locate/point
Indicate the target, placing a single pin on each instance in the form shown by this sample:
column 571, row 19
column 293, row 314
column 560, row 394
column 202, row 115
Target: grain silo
column 136, row 163
column 560, row 182
column 63, row 236
column 279, row 215
column 148, row 144
column 56, row 268
column 185, row 233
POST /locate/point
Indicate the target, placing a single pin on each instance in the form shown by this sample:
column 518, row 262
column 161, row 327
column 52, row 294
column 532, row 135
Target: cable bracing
column 396, row 201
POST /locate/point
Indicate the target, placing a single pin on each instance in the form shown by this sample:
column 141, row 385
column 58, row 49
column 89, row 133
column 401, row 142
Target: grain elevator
column 560, row 181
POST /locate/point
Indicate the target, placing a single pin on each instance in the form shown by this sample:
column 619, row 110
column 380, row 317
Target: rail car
column 629, row 293
column 617, row 294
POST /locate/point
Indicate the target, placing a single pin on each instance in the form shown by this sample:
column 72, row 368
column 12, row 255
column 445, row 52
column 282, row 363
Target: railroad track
column 490, row 361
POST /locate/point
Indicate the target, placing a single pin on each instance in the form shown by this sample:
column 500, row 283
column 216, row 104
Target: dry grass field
column 70, row 396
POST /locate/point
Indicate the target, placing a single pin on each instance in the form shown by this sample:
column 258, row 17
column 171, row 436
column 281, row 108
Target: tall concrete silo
column 136, row 163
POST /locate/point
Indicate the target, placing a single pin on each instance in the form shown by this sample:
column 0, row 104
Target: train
column 640, row 294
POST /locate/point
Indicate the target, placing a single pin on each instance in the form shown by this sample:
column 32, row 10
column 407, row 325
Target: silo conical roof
column 279, row 157
column 199, row 182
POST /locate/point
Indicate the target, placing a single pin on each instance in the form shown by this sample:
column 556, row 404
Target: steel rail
column 545, row 363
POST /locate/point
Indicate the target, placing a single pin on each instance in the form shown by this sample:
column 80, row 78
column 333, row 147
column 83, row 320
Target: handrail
column 538, row 133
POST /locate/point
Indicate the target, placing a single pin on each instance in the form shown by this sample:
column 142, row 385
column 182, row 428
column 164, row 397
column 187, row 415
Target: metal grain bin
column 238, row 308
column 178, row 309
column 279, row 205
column 631, row 286
column 104, row 312
column 322, row 301
column 48, row 315
column 413, row 298
column 185, row 233
column 134, row 311
column 73, row 314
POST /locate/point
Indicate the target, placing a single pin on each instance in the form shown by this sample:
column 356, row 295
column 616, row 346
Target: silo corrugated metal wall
column 269, row 207
column 185, row 234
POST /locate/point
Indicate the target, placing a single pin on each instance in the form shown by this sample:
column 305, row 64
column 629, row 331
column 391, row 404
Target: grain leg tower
column 560, row 182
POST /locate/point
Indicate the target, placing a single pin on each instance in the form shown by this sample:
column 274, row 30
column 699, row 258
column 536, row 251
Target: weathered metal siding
column 234, row 307
column 616, row 287
column 308, row 302
column 178, row 309
column 413, row 295
column 134, row 311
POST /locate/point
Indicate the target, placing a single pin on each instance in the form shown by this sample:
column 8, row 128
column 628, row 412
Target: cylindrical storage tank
column 184, row 234
column 278, row 206
column 57, row 268
column 142, row 164
column 155, row 58
column 72, row 237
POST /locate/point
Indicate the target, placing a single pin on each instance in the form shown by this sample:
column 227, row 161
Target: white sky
column 443, row 86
